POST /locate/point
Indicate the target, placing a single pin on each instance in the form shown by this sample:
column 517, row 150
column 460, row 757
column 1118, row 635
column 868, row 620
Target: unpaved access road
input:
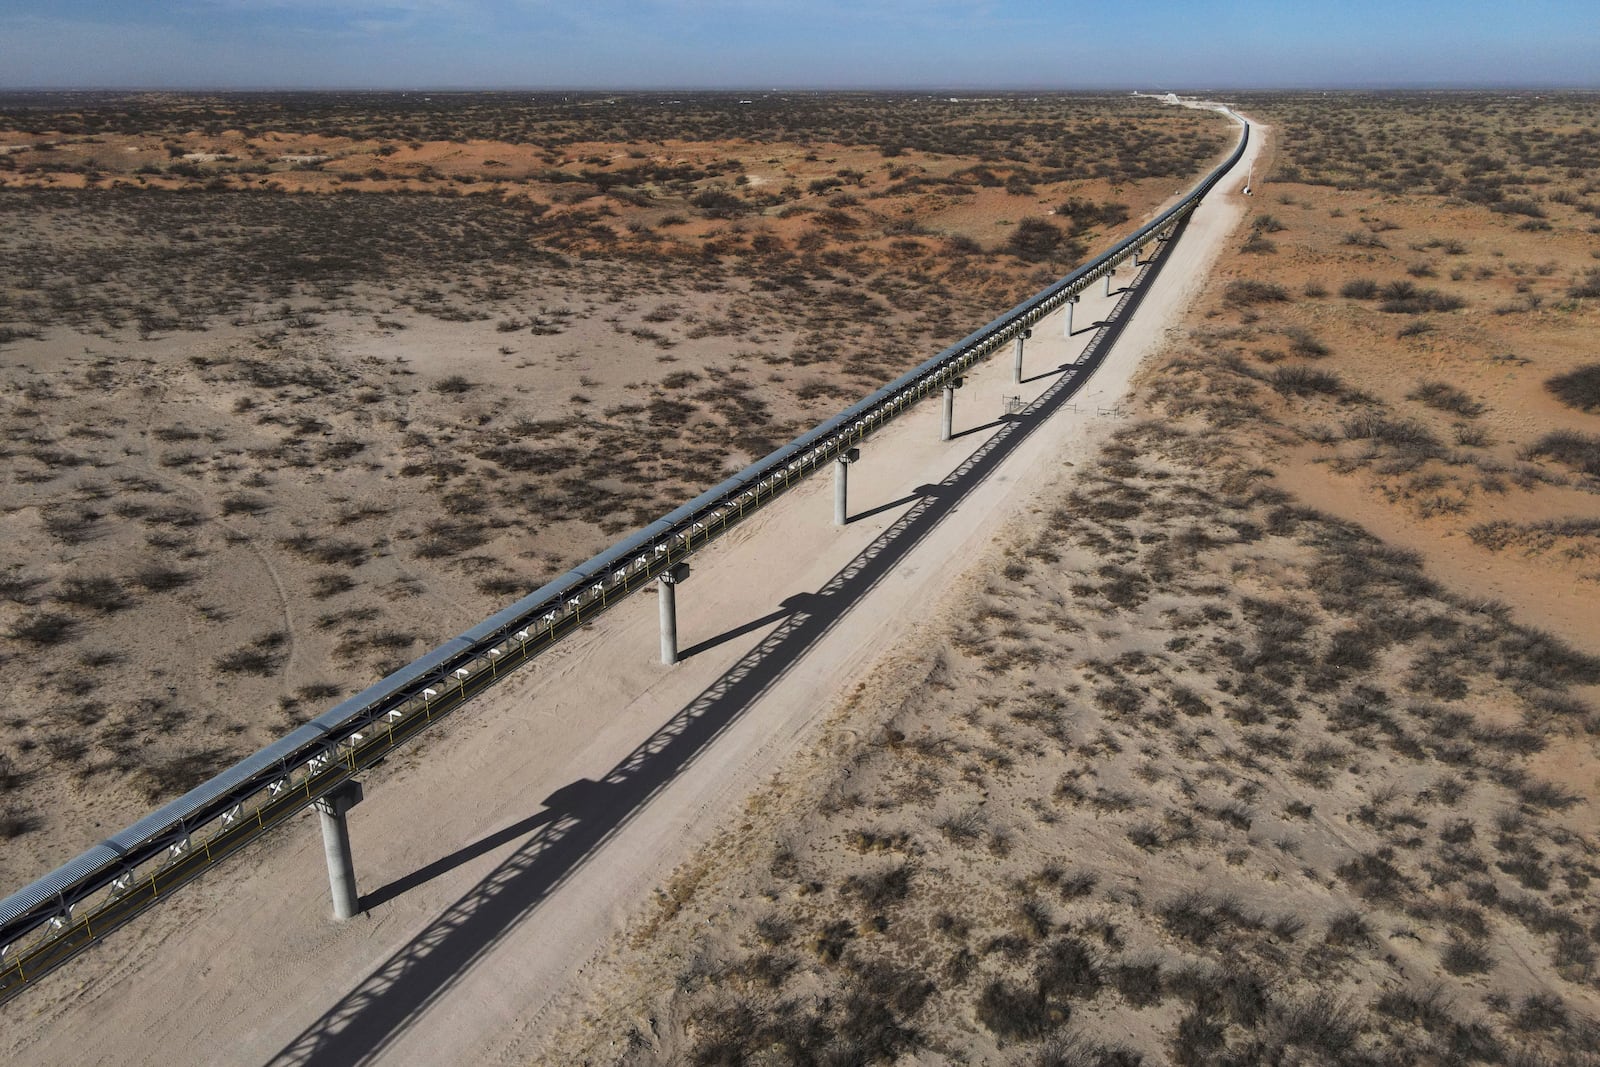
column 499, row 857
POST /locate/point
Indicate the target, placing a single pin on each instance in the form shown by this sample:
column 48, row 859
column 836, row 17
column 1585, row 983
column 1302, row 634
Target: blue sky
column 770, row 43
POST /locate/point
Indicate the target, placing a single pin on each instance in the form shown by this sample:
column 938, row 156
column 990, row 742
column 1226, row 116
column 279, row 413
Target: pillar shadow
column 576, row 821
column 791, row 605
column 916, row 494
column 446, row 864
column 1001, row 421
column 1062, row 369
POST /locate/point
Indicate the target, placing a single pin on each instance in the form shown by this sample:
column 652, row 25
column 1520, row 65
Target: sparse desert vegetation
column 1208, row 776
column 299, row 385
column 1198, row 769
column 1453, row 386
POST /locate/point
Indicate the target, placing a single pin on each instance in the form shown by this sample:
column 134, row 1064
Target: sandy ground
column 525, row 868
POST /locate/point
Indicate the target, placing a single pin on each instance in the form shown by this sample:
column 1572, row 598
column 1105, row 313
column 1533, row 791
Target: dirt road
column 500, row 857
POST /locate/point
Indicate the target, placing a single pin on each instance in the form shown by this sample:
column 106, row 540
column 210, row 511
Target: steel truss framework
column 54, row 918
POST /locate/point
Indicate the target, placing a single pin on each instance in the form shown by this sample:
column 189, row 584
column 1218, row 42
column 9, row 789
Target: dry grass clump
column 1442, row 396
column 1580, row 451
column 1246, row 292
column 1303, row 381
column 44, row 628
column 262, row 656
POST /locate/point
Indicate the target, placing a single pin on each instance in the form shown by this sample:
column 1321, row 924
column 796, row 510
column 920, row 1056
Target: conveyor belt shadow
column 580, row 817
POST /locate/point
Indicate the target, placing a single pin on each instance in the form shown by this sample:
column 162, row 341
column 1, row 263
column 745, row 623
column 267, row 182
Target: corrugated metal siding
column 50, row 886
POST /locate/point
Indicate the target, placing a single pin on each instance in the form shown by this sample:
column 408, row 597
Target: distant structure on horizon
column 1171, row 98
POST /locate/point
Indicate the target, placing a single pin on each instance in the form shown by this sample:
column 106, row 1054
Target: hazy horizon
column 732, row 90
column 767, row 45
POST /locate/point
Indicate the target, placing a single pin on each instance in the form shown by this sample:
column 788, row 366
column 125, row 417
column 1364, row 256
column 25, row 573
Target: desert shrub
column 961, row 245
column 1401, row 433
column 329, row 550
column 16, row 823
column 70, row 526
column 1425, row 1006
column 1359, row 289
column 1077, row 1051
column 1533, row 656
column 1245, row 292
column 44, row 628
column 1010, row 1011
column 1465, row 957
column 880, row 889
column 1080, row 884
column 331, row 583
column 445, row 538
column 261, row 657
column 1404, row 298
column 243, row 504
column 1362, row 239
column 453, row 384
column 1541, row 1011
column 1198, row 1035
column 1570, row 448
column 718, row 203
column 1196, row 917
column 1324, row 1025
column 1035, row 240
column 1526, row 208
column 97, row 593
column 1347, row 929
column 1443, row 396
column 156, row 578
column 965, row 826
column 1086, row 214
column 1139, row 983
column 1304, row 343
column 1068, row 969
column 1373, row 876
column 10, row 776
column 165, row 777
column 18, row 588
column 1587, row 286
column 1547, row 795
column 1577, row 389
column 1258, row 245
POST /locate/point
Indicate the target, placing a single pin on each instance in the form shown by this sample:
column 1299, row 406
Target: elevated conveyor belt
column 64, row 912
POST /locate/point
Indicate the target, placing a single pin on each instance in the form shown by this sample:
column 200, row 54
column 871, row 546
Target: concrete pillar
column 841, row 485
column 336, row 847
column 668, row 596
column 1109, row 275
column 1016, row 364
column 1072, row 302
column 947, row 423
